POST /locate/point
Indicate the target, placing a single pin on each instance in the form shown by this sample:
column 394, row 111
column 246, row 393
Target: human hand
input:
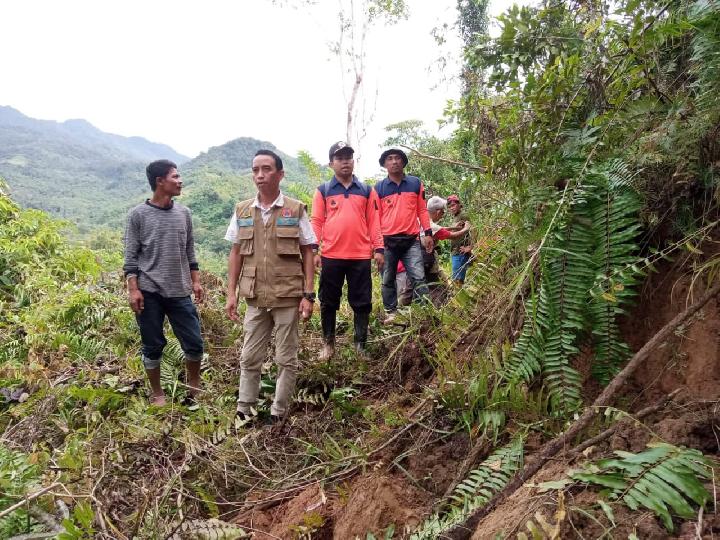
column 428, row 243
column 379, row 261
column 465, row 249
column 466, row 227
column 305, row 309
column 198, row 292
column 137, row 301
column 231, row 308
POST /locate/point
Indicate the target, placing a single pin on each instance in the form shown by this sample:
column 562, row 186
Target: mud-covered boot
column 327, row 319
column 361, row 322
column 327, row 351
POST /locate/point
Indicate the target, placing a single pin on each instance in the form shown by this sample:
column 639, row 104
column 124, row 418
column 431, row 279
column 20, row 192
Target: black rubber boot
column 361, row 329
column 327, row 319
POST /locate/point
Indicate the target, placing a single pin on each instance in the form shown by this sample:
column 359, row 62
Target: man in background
column 402, row 213
column 271, row 266
column 461, row 246
column 433, row 275
column 161, row 272
column 346, row 223
column 436, row 208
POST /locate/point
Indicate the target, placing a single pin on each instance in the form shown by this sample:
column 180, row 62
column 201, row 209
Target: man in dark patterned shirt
column 161, row 272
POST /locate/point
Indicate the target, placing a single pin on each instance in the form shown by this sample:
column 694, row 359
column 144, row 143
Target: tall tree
column 357, row 20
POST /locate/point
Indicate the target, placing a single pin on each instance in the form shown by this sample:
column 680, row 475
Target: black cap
column 391, row 151
column 340, row 145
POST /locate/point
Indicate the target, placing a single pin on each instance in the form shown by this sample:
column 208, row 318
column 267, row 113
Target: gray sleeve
column 190, row 247
column 132, row 244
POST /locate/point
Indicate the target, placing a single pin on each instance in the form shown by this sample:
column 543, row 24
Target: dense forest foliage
column 72, row 169
column 586, row 149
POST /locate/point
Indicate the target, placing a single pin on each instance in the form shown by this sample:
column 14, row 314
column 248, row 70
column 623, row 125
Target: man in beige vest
column 271, row 266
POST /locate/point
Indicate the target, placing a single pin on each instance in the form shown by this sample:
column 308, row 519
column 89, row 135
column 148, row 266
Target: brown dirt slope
column 390, row 496
column 689, row 362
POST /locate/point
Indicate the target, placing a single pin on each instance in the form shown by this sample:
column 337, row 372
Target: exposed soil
column 369, row 504
column 400, row 490
column 690, row 361
column 378, row 501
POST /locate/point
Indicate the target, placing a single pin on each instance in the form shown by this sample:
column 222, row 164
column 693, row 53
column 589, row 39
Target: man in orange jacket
column 346, row 223
column 402, row 213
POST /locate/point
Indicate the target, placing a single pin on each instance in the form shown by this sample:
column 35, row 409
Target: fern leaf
column 658, row 479
column 476, row 490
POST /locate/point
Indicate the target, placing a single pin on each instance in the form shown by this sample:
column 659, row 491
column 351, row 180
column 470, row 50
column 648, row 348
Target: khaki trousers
column 258, row 326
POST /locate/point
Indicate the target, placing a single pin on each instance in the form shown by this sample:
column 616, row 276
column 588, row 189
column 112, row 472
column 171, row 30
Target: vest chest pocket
column 245, row 234
column 288, row 240
column 246, row 287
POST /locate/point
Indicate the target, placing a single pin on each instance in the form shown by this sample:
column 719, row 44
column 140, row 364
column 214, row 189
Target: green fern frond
column 476, row 490
column 663, row 478
column 173, row 351
column 591, row 252
column 616, row 226
column 312, row 397
column 524, row 363
column 209, row 529
column 705, row 59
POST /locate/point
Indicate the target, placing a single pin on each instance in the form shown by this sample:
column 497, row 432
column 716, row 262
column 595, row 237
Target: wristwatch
column 309, row 296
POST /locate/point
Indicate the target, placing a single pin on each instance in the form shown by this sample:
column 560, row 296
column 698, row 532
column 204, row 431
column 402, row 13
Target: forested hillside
column 569, row 389
column 90, row 178
column 72, row 169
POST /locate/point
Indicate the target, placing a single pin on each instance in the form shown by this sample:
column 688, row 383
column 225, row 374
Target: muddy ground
column 399, row 491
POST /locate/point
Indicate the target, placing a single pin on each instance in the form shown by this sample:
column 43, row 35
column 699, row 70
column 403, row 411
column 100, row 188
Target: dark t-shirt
column 465, row 239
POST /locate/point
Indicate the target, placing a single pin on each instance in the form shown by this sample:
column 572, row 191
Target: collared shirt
column 307, row 236
column 402, row 205
column 346, row 220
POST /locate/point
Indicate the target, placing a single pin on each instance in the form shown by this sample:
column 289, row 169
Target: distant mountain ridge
column 82, row 132
column 236, row 157
column 91, row 178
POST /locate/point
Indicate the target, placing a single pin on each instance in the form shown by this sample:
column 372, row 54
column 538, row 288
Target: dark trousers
column 183, row 319
column 412, row 259
column 333, row 275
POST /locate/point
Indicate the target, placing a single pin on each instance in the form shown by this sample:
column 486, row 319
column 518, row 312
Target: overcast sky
column 196, row 74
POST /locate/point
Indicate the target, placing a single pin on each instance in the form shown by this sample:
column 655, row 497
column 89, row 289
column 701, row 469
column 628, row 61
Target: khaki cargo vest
column 272, row 273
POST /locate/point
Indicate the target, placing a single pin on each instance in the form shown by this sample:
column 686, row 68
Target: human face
column 342, row 164
column 394, row 163
column 436, row 215
column 454, row 207
column 170, row 184
column 265, row 174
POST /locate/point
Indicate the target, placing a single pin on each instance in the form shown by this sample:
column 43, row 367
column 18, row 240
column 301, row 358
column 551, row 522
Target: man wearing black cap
column 402, row 214
column 346, row 223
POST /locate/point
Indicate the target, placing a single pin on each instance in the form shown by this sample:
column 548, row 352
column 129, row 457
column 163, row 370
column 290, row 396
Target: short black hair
column 159, row 168
column 278, row 161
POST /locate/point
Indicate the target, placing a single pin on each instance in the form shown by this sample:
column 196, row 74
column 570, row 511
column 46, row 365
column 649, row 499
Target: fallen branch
column 46, row 519
column 463, row 530
column 612, row 429
column 480, row 448
column 27, row 499
column 419, row 154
